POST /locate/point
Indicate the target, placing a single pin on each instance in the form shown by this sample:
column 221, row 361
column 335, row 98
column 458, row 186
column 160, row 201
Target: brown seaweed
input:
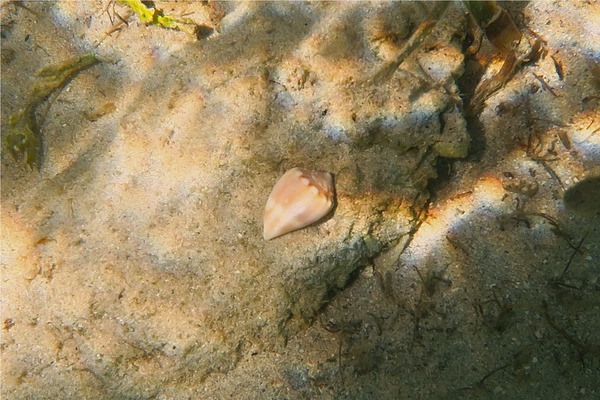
column 24, row 139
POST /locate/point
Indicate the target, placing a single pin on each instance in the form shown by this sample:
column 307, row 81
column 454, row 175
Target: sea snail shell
column 299, row 198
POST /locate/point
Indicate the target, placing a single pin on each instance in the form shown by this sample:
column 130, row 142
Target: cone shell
column 299, row 198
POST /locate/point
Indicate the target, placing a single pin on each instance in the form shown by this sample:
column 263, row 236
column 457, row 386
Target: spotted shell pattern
column 299, row 198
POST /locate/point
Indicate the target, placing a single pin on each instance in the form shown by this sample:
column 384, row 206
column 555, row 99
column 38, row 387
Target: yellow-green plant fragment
column 156, row 17
column 143, row 12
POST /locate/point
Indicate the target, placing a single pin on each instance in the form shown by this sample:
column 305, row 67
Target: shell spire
column 299, row 198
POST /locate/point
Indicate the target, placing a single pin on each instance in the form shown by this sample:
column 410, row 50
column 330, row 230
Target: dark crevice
column 444, row 168
column 467, row 84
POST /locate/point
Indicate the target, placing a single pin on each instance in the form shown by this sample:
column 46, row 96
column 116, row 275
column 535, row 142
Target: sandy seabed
column 133, row 262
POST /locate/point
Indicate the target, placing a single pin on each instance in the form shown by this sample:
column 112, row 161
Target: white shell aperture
column 299, row 198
